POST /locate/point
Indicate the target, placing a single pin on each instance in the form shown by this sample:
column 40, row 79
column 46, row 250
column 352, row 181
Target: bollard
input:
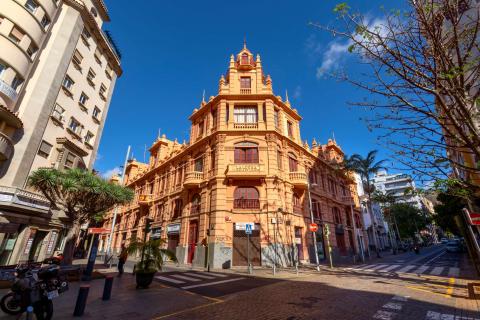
column 81, row 300
column 29, row 313
column 107, row 288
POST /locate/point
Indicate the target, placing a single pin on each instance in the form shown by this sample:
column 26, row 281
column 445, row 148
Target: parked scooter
column 34, row 286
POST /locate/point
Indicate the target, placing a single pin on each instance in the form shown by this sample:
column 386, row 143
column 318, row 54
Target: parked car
column 444, row 241
column 454, row 246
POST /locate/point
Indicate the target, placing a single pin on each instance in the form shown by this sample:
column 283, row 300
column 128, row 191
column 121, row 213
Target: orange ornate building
column 245, row 163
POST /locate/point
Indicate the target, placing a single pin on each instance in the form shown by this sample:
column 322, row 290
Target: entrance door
column 173, row 240
column 37, row 245
column 341, row 244
column 351, row 240
column 192, row 239
column 240, row 249
column 298, row 243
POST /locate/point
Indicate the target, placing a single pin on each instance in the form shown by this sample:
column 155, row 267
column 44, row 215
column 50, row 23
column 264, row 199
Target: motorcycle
column 35, row 286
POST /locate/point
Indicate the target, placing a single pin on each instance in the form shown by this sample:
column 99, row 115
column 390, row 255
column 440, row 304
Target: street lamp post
column 115, row 213
column 314, row 234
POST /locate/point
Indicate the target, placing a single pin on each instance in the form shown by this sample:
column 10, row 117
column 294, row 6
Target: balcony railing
column 193, row 178
column 253, row 125
column 245, row 170
column 8, row 91
column 6, row 147
column 245, row 91
column 298, row 179
column 246, row 204
column 19, row 197
column 145, row 199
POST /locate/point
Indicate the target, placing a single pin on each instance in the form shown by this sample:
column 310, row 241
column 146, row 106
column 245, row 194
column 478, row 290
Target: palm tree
column 152, row 253
column 80, row 195
column 366, row 167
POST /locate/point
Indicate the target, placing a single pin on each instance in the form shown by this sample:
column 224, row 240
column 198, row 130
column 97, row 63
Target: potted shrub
column 152, row 259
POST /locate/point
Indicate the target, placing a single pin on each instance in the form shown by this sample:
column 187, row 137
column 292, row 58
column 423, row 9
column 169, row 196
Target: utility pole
column 115, row 212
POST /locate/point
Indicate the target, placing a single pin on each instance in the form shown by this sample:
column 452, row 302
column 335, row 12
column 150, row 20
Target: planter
column 144, row 279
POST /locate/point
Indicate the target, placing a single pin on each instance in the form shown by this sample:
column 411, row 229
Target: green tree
column 80, row 195
column 410, row 220
column 154, row 255
column 366, row 167
column 449, row 207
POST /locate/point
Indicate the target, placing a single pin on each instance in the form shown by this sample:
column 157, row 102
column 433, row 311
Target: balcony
column 246, row 126
column 245, row 91
column 246, row 170
column 246, row 204
column 23, row 200
column 6, row 147
column 8, row 92
column 348, row 200
column 145, row 199
column 193, row 179
column 299, row 179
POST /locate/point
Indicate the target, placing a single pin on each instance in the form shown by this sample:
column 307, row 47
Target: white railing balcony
column 299, row 179
column 6, row 147
column 246, row 170
column 193, row 178
column 16, row 197
column 245, row 91
column 8, row 91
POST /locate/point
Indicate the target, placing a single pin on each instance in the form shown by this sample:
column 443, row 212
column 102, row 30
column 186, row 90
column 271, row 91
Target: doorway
column 37, row 245
column 299, row 243
column 192, row 240
column 241, row 249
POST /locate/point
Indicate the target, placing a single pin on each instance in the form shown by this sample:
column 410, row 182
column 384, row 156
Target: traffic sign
column 313, row 227
column 473, row 217
column 97, row 230
column 248, row 228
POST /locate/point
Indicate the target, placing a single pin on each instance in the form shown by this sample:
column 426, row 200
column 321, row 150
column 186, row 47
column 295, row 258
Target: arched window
column 246, row 152
column 348, row 216
column 195, row 204
column 292, row 162
column 244, row 59
column 317, row 214
column 246, row 198
column 336, row 216
column 297, row 204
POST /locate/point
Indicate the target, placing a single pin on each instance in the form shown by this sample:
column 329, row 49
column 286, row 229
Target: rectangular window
column 44, row 149
column 200, row 129
column 68, row 82
column 45, row 22
column 245, row 114
column 213, row 159
column 246, row 155
column 290, row 129
column 98, row 56
column 275, row 118
column 77, row 58
column 198, row 164
column 264, row 109
column 293, row 164
column 214, row 119
column 75, row 126
column 16, row 35
column 227, row 115
column 17, row 82
column 245, row 82
column 69, row 161
column 85, row 33
column 96, row 113
column 91, row 76
column 89, row 137
column 32, row 49
column 279, row 160
column 102, row 91
column 58, row 112
column 31, row 6
column 83, row 99
column 108, row 71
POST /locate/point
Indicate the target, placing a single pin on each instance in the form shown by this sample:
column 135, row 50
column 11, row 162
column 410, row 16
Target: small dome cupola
column 245, row 58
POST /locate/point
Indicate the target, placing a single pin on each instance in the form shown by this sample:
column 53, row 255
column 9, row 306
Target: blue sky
column 174, row 50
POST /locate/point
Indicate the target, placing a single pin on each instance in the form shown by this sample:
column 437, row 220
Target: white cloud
column 335, row 54
column 109, row 173
column 298, row 92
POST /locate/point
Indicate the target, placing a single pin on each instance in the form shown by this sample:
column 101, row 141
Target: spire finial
column 333, row 136
column 286, row 95
column 244, row 42
column 203, row 96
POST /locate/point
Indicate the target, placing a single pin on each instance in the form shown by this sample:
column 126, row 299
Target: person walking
column 122, row 258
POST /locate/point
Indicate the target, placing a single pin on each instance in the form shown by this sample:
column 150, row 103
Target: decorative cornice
column 102, row 9
column 72, row 146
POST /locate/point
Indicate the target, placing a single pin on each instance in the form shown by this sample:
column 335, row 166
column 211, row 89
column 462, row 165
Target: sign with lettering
column 156, row 233
column 243, row 225
column 173, row 228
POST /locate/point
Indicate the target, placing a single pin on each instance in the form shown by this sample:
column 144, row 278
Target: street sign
column 473, row 217
column 97, row 230
column 248, row 228
column 313, row 227
column 243, row 225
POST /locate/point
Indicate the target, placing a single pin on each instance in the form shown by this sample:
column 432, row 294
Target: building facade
column 245, row 164
column 57, row 74
column 399, row 185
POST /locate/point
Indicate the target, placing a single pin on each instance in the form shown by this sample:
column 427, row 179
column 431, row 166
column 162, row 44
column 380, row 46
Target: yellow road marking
column 425, row 290
column 451, row 282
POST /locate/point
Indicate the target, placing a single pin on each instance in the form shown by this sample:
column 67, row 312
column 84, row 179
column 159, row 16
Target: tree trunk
column 372, row 217
column 70, row 241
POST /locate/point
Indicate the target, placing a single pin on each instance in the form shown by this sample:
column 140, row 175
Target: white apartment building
column 398, row 185
column 58, row 69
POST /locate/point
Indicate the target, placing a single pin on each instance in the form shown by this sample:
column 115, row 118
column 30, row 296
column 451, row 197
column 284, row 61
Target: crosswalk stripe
column 375, row 267
column 169, row 280
column 211, row 283
column 436, row 271
column 453, row 272
column 390, row 268
column 179, row 276
column 421, row 269
column 199, row 275
column 407, row 268
column 213, row 274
